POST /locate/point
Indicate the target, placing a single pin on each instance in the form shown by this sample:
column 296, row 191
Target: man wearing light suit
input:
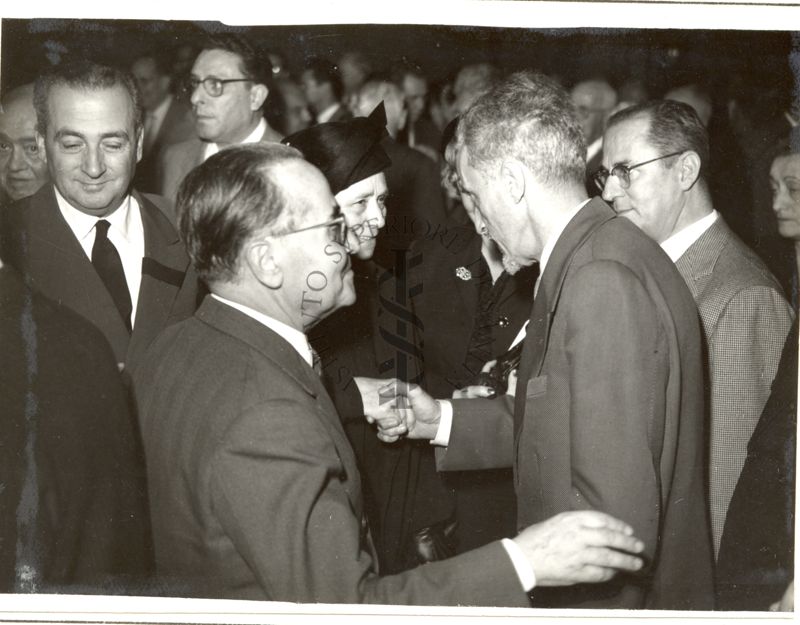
column 229, row 86
column 254, row 488
column 607, row 413
column 88, row 240
column 657, row 155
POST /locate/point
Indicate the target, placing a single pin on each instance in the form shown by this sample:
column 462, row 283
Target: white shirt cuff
column 524, row 570
column 442, row 438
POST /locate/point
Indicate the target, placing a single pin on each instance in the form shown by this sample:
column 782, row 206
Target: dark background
column 659, row 57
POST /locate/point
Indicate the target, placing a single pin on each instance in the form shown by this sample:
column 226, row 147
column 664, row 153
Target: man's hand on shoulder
column 578, row 547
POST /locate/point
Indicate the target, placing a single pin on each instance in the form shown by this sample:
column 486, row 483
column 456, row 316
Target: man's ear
column 40, row 147
column 512, row 174
column 260, row 259
column 258, row 95
column 689, row 165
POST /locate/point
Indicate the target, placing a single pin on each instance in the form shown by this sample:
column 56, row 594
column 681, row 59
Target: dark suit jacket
column 608, row 411
column 177, row 126
column 42, row 246
column 254, row 489
column 72, row 511
column 448, row 309
column 179, row 159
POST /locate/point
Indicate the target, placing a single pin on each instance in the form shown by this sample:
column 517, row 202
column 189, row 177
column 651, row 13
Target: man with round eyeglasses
column 228, row 86
column 655, row 162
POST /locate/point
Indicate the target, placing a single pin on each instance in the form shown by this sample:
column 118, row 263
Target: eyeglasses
column 213, row 86
column 623, row 172
column 338, row 230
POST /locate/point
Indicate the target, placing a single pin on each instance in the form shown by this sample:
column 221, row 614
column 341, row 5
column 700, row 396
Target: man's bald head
column 372, row 93
column 22, row 169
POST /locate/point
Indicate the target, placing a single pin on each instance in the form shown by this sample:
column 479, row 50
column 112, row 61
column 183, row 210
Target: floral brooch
column 463, row 273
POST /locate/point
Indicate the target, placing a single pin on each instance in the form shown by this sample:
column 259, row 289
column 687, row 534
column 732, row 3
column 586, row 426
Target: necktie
column 316, row 361
column 108, row 265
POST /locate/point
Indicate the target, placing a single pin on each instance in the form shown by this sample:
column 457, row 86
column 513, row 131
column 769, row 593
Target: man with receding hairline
column 22, row 169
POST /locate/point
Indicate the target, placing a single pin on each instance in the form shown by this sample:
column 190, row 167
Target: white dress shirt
column 126, row 232
column 678, row 243
column 253, row 137
column 294, row 337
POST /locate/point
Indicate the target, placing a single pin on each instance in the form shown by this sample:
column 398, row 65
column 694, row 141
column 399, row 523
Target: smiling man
column 255, row 492
column 88, row 240
column 22, row 169
column 229, row 85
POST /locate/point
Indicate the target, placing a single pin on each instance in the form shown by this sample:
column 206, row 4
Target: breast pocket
column 536, row 386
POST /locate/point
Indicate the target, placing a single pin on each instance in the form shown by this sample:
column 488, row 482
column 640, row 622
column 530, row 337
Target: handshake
column 569, row 548
column 399, row 409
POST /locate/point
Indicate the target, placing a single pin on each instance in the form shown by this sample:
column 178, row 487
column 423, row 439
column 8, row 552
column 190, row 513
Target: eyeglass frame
column 340, row 239
column 193, row 83
column 624, row 182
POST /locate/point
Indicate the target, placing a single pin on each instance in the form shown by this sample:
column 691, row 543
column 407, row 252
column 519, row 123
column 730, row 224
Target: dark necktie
column 108, row 265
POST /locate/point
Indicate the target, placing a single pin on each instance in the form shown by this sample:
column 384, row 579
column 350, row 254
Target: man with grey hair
column 594, row 100
column 607, row 410
column 254, row 488
column 657, row 154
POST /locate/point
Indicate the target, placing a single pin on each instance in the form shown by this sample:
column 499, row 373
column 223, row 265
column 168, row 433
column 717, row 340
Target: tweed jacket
column 254, row 489
column 745, row 321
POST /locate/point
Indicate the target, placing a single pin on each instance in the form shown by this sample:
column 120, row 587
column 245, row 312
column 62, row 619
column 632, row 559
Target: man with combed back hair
column 254, row 488
column 607, row 412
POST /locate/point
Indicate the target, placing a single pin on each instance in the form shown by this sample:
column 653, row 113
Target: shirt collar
column 253, row 137
column 82, row 224
column 594, row 148
column 561, row 225
column 295, row 338
column 329, row 112
column 676, row 245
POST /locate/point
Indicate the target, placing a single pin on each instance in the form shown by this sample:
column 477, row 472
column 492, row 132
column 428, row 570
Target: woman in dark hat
column 407, row 506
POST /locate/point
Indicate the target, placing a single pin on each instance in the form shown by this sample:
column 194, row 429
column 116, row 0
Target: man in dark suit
column 88, row 240
column 658, row 155
column 323, row 89
column 594, row 100
column 229, row 85
column 72, row 508
column 607, row 412
column 254, row 489
column 167, row 119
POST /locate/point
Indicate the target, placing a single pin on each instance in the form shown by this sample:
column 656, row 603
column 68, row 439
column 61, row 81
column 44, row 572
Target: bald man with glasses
column 228, row 86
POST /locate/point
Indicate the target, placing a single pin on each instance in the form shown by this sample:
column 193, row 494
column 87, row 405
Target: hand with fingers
column 579, row 547
column 420, row 413
column 383, row 406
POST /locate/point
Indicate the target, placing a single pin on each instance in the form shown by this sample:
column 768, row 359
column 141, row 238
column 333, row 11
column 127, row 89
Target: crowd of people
column 349, row 336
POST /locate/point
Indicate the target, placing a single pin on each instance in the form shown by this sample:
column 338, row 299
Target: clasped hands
column 399, row 409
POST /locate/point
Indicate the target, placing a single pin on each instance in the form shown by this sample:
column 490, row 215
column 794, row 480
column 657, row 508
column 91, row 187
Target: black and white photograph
column 316, row 313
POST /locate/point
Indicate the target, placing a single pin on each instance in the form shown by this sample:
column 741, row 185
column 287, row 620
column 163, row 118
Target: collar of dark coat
column 261, row 338
column 588, row 219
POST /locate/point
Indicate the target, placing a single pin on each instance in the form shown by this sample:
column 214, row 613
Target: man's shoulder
column 739, row 267
column 182, row 150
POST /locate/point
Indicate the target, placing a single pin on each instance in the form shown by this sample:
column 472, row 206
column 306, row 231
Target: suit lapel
column 537, row 336
column 696, row 265
column 61, row 269
column 163, row 274
column 283, row 356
